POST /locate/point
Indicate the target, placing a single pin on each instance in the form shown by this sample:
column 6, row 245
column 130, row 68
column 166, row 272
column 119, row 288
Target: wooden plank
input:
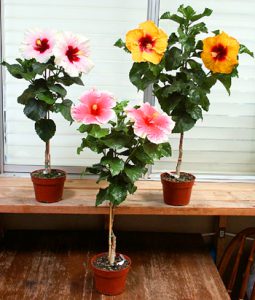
column 55, row 265
column 208, row 199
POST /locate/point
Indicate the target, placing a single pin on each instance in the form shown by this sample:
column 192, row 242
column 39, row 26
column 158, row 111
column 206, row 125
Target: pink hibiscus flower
column 150, row 123
column 38, row 44
column 95, row 108
column 72, row 53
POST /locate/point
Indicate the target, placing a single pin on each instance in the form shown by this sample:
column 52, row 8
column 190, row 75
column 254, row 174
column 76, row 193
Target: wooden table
column 54, row 266
column 208, row 199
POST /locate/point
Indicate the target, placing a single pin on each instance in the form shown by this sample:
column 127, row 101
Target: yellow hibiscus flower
column 147, row 43
column 220, row 53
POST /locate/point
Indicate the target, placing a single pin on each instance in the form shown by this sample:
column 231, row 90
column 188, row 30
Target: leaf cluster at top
column 124, row 155
column 45, row 93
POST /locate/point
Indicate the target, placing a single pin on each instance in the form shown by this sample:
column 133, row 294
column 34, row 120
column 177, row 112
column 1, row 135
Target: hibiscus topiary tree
column 176, row 67
column 127, row 138
column 50, row 61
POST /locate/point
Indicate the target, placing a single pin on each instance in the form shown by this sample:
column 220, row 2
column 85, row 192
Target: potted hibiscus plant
column 176, row 66
column 50, row 62
column 128, row 138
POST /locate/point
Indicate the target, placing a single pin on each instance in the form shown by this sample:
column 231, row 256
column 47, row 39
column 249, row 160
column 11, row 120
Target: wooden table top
column 55, row 265
column 208, row 199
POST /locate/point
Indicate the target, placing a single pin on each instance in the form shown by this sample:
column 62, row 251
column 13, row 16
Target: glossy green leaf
column 115, row 164
column 244, row 49
column 57, row 88
column 35, row 110
column 46, row 97
column 134, row 172
column 206, row 13
column 65, row 109
column 45, row 128
column 101, row 196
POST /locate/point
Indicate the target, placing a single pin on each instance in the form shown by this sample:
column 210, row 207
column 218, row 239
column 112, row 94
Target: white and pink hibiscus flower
column 38, row 44
column 150, row 123
column 96, row 107
column 72, row 53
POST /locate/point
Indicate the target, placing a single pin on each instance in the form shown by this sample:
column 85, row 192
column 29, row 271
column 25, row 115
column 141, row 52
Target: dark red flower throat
column 41, row 45
column 219, row 52
column 72, row 54
column 146, row 43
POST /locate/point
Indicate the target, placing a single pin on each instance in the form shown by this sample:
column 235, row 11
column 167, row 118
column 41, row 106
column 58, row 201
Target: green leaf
column 198, row 28
column 35, row 110
column 244, row 49
column 183, row 123
column 187, row 11
column 141, row 76
column 204, row 102
column 103, row 176
column 101, row 196
column 131, row 188
column 57, row 88
column 174, row 17
column 225, row 80
column 173, row 59
column 157, row 151
column 115, row 164
column 170, row 102
column 206, row 13
column 92, row 143
column 28, row 94
column 47, row 97
column 216, row 32
column 173, row 38
column 98, row 132
column 194, row 111
column 39, row 68
column 134, row 172
column 65, row 109
column 84, row 128
column 45, row 128
column 142, row 157
column 116, row 140
column 120, row 44
column 77, row 80
column 15, row 70
column 68, row 80
column 117, row 193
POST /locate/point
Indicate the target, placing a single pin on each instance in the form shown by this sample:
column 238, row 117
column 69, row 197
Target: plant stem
column 112, row 237
column 47, row 163
column 179, row 162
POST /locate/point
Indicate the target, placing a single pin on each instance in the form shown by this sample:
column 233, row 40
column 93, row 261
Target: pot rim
column 177, row 182
column 94, row 257
column 37, row 170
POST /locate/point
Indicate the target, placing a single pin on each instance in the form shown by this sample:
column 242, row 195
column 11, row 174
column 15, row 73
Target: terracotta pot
column 48, row 190
column 177, row 193
column 110, row 282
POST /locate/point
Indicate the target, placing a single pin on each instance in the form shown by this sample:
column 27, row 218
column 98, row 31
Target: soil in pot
column 177, row 191
column 48, row 187
column 110, row 280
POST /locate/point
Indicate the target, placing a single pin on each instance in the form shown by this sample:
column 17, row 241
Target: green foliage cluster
column 180, row 82
column 124, row 155
column 45, row 93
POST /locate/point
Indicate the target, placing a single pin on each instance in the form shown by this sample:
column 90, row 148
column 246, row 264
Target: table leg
column 220, row 237
column 1, row 228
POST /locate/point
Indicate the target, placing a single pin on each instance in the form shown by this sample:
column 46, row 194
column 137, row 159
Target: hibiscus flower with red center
column 150, row 123
column 38, row 44
column 95, row 108
column 72, row 53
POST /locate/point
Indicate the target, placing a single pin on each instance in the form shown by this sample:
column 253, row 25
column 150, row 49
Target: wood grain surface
column 55, row 266
column 229, row 199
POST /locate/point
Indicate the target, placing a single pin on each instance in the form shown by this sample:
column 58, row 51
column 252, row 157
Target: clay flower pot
column 109, row 282
column 48, row 190
column 177, row 193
